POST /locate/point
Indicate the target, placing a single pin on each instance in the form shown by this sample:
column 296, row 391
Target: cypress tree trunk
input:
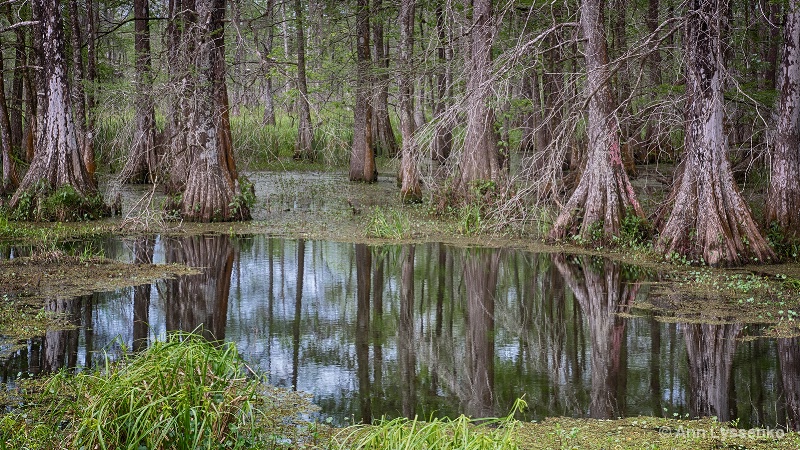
column 211, row 186
column 783, row 198
column 710, row 220
column 604, row 194
column 303, row 149
column 480, row 159
column 362, row 158
column 141, row 164
column 381, row 125
column 410, row 189
column 58, row 160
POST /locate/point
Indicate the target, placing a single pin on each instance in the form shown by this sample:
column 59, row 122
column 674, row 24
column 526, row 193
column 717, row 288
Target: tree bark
column 9, row 174
column 141, row 164
column 480, row 159
column 58, row 160
column 443, row 138
column 269, row 99
column 382, row 132
column 78, row 80
column 710, row 221
column 410, row 189
column 783, row 198
column 362, row 158
column 604, row 194
column 211, row 186
column 303, row 149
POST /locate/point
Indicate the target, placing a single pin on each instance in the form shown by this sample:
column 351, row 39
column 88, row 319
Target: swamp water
column 431, row 329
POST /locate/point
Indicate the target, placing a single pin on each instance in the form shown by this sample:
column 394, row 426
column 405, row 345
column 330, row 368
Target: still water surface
column 434, row 329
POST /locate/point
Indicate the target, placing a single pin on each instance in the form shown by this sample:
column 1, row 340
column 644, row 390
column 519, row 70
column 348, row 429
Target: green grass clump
column 461, row 433
column 388, row 224
column 185, row 393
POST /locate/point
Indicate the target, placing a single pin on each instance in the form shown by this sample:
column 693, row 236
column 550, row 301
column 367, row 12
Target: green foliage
column 635, row 232
column 185, row 393
column 785, row 247
column 244, row 200
column 388, row 223
column 65, row 204
column 461, row 433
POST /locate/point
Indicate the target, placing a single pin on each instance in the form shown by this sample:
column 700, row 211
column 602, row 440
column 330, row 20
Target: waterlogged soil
column 26, row 283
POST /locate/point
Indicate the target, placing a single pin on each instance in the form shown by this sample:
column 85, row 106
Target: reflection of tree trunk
column 406, row 356
column 60, row 347
column 298, row 306
column 602, row 293
column 710, row 349
column 480, row 277
column 655, row 365
column 195, row 301
column 142, row 254
column 377, row 324
column 789, row 357
column 363, row 266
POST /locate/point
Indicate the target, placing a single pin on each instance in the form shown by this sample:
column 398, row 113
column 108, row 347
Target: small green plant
column 388, row 223
column 459, row 433
column 785, row 247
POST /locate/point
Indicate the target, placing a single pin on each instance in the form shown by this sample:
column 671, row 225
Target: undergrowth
column 183, row 393
column 460, row 433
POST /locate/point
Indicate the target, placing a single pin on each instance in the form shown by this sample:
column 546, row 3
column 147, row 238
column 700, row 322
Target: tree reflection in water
column 710, row 349
column 199, row 302
column 789, row 360
column 602, row 292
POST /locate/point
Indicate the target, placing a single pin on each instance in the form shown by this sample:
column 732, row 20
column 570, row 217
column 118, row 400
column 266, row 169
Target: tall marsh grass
column 184, row 393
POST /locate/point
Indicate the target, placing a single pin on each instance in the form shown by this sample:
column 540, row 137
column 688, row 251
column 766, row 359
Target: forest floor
column 325, row 206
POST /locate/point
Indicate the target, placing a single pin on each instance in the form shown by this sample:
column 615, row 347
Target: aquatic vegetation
column 459, row 433
column 389, row 223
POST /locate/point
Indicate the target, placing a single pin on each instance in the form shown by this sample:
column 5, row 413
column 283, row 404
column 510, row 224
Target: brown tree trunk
column 602, row 294
column 604, row 194
column 17, row 85
column 480, row 159
column 443, row 137
column 410, row 189
column 210, row 193
column 362, row 158
column 710, row 221
column 9, row 173
column 269, row 99
column 58, row 160
column 303, row 150
column 783, row 198
column 383, row 135
column 141, row 164
column 91, row 77
column 710, row 350
column 180, row 47
column 78, row 80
